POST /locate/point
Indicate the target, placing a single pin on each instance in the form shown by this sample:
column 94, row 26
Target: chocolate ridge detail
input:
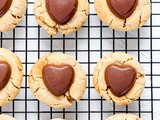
column 61, row 11
column 5, row 73
column 58, row 79
column 120, row 79
column 122, row 8
column 4, row 6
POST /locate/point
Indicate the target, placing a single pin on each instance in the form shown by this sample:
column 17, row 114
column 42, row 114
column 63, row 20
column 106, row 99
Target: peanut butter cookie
column 119, row 78
column 59, row 16
column 11, row 13
column 11, row 70
column 124, row 117
column 123, row 15
column 6, row 117
column 59, row 78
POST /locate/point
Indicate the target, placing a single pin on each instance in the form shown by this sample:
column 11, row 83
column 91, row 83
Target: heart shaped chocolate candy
column 120, row 79
column 58, row 79
column 122, row 8
column 61, row 11
column 5, row 73
column 4, row 6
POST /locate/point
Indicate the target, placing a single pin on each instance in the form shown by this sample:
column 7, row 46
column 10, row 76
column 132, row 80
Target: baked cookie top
column 118, row 89
column 52, row 27
column 123, row 117
column 13, row 15
column 135, row 20
column 6, row 117
column 13, row 85
column 55, row 95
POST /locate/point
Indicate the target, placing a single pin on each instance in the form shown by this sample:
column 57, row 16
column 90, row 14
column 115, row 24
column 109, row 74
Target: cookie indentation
column 4, row 6
column 120, row 79
column 122, row 8
column 58, row 79
column 5, row 73
column 61, row 11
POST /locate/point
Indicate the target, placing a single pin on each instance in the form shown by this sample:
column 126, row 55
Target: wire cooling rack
column 87, row 45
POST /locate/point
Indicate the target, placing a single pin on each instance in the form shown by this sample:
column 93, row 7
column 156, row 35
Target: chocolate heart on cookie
column 61, row 11
column 5, row 73
column 58, row 79
column 122, row 8
column 4, row 6
column 120, row 79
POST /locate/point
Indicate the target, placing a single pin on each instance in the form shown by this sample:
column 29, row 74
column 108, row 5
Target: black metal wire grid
column 87, row 45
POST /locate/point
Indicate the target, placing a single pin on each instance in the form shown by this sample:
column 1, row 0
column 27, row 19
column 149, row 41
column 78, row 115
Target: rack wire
column 88, row 45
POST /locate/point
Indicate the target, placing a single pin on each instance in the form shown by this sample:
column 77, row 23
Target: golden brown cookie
column 6, row 117
column 11, row 88
column 137, row 19
column 124, row 117
column 49, row 76
column 52, row 27
column 119, row 78
column 10, row 18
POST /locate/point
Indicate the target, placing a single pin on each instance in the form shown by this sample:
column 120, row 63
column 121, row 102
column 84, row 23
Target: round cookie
column 11, row 76
column 6, row 117
column 52, row 27
column 10, row 18
column 124, row 117
column 53, row 84
column 137, row 19
column 130, row 82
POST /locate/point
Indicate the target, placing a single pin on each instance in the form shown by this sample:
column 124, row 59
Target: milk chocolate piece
column 4, row 6
column 122, row 8
column 120, row 79
column 58, row 79
column 5, row 73
column 61, row 11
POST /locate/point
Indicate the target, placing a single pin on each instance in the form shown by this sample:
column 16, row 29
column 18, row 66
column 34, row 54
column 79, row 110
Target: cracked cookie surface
column 123, row 117
column 13, row 16
column 101, row 87
column 6, row 117
column 12, row 88
column 41, row 92
column 137, row 19
column 52, row 27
